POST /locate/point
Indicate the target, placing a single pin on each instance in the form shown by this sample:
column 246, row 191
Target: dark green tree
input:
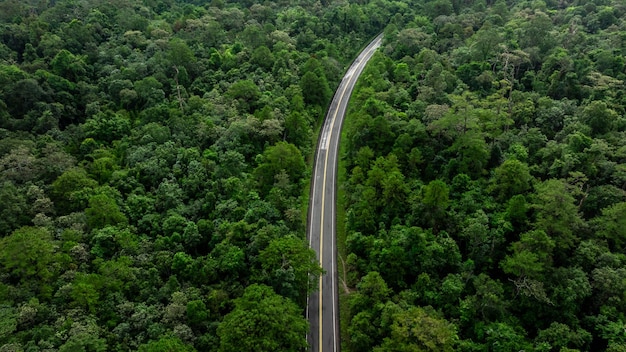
column 290, row 267
column 599, row 117
column 434, row 198
column 68, row 65
column 103, row 211
column 71, row 190
column 246, row 93
column 107, row 126
column 511, row 178
column 263, row 321
column 612, row 225
column 278, row 158
column 315, row 89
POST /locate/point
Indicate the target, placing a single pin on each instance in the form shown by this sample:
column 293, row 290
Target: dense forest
column 154, row 157
column 485, row 181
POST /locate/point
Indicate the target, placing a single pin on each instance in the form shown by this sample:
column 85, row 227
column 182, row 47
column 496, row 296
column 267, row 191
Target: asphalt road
column 322, row 305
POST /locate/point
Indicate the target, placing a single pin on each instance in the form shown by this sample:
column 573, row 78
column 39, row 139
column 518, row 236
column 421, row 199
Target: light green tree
column 166, row 344
column 28, row 254
column 612, row 225
column 557, row 213
column 420, row 329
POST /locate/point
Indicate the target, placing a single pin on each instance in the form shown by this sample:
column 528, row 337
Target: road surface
column 322, row 305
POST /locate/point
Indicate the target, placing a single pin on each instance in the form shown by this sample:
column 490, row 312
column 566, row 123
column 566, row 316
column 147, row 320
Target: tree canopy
column 505, row 124
column 154, row 157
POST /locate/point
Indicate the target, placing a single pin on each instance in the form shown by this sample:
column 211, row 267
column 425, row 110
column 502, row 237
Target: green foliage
column 419, row 329
column 8, row 322
column 532, row 255
column 599, row 117
column 166, row 344
column 109, row 241
column 435, row 195
column 282, row 157
column 149, row 91
column 27, row 254
column 435, row 201
column 107, row 126
column 315, row 89
column 289, row 265
column 556, row 213
column 152, row 160
column 13, row 208
column 246, row 93
column 263, row 321
column 72, row 189
column 371, row 290
column 67, row 65
column 84, row 342
column 504, row 337
column 472, row 154
column 180, row 54
column 511, row 178
column 263, row 57
column 103, row 211
column 612, row 225
column 197, row 313
column 85, row 291
column 516, row 210
column 560, row 336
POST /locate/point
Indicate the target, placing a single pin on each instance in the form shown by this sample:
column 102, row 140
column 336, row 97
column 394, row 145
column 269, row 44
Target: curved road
column 322, row 305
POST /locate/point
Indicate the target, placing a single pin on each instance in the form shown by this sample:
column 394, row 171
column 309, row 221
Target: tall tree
column 289, row 266
column 282, row 156
column 557, row 213
column 263, row 321
column 420, row 329
column 511, row 178
column 28, row 255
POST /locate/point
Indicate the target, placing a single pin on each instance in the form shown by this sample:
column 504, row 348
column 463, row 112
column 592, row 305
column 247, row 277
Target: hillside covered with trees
column 485, row 160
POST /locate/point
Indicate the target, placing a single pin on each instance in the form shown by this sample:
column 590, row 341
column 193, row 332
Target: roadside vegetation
column 486, row 201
